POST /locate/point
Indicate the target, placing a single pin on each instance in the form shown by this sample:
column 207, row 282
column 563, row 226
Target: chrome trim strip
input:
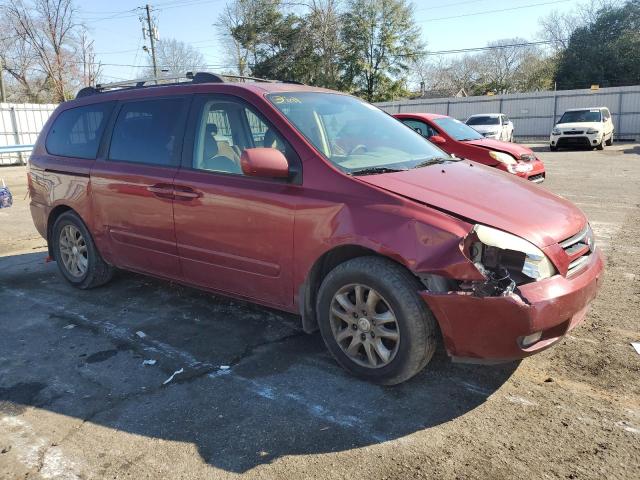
column 576, row 238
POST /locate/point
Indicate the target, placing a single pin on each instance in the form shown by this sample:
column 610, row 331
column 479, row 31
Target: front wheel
column 76, row 255
column 600, row 146
column 610, row 141
column 374, row 322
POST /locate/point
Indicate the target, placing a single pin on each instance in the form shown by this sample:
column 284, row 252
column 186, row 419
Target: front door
column 234, row 232
column 132, row 185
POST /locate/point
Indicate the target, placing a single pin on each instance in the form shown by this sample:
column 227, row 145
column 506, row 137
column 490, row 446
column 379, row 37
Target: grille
column 573, row 132
column 578, row 249
column 537, row 178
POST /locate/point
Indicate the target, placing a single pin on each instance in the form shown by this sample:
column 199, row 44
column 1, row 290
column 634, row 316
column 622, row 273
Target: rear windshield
column 354, row 135
column 581, row 116
column 484, row 120
column 457, row 130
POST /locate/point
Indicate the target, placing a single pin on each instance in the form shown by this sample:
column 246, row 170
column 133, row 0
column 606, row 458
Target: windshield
column 354, row 135
column 483, row 120
column 457, row 130
column 581, row 116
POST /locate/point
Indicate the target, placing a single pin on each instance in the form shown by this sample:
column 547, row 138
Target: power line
column 489, row 47
column 486, row 12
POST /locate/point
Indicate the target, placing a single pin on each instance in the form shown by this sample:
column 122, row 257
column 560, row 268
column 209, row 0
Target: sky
column 446, row 25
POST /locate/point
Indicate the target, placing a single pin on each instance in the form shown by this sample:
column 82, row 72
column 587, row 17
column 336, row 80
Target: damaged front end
column 502, row 262
column 516, row 306
column 505, row 261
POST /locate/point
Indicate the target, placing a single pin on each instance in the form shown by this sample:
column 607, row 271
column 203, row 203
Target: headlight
column 520, row 168
column 556, row 131
column 502, row 157
column 592, row 131
column 527, row 157
column 510, row 252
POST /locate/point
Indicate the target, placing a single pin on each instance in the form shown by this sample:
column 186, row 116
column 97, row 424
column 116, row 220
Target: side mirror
column 437, row 139
column 264, row 162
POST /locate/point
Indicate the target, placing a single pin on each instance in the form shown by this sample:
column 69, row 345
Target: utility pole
column 3, row 93
column 152, row 38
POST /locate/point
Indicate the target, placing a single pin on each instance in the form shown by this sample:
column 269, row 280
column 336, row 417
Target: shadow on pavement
column 80, row 354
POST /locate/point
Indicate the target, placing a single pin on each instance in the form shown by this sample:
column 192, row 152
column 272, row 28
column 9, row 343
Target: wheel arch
column 308, row 291
column 55, row 213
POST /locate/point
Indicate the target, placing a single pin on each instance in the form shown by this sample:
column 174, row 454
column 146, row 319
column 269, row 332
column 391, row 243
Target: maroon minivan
column 265, row 191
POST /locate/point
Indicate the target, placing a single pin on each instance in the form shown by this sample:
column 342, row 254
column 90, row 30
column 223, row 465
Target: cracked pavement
column 76, row 401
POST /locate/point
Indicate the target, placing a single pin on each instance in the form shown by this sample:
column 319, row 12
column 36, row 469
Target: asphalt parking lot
column 257, row 397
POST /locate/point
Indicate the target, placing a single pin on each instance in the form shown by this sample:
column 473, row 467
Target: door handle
column 185, row 193
column 161, row 190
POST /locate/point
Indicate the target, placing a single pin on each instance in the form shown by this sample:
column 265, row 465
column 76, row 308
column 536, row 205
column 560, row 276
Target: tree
column 322, row 33
column 45, row 51
column 46, row 28
column 557, row 27
column 380, row 39
column 509, row 66
column 604, row 52
column 247, row 27
column 178, row 57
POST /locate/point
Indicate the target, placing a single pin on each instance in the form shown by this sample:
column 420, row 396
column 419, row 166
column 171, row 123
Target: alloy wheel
column 73, row 251
column 364, row 326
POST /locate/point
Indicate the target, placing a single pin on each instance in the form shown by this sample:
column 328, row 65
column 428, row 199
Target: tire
column 90, row 269
column 610, row 141
column 511, row 138
column 414, row 325
column 600, row 146
column 552, row 148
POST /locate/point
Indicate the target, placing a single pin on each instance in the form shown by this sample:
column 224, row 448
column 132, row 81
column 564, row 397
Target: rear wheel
column 77, row 256
column 374, row 322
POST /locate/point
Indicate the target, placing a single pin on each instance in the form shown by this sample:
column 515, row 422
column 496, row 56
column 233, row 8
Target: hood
column 488, row 196
column 578, row 126
column 486, row 128
column 513, row 149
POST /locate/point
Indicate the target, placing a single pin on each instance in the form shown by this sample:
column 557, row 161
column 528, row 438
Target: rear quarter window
column 76, row 132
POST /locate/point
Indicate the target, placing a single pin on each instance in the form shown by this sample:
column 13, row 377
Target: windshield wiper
column 374, row 170
column 432, row 161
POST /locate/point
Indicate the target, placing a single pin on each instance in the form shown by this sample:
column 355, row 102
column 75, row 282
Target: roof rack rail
column 198, row 77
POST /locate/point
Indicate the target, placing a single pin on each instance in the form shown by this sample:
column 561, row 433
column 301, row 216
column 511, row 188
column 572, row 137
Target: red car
column 317, row 203
column 459, row 139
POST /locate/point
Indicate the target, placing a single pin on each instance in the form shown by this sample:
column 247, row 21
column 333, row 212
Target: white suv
column 587, row 127
column 492, row 125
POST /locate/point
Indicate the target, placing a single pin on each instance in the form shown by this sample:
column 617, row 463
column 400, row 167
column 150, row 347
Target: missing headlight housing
column 499, row 254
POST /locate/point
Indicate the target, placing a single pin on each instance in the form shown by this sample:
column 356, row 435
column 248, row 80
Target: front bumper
column 491, row 329
column 583, row 140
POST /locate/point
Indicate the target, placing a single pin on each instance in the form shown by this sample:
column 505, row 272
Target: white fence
column 535, row 113
column 20, row 124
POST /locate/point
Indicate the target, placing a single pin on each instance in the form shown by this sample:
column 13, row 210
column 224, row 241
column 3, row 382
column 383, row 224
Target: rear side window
column 77, row 131
column 148, row 132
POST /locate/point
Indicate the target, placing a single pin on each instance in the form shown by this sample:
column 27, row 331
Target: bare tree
column 233, row 17
column 25, row 81
column 322, row 31
column 557, row 27
column 47, row 27
column 91, row 68
column 177, row 57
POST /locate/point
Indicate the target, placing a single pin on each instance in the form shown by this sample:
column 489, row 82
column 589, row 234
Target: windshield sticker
column 281, row 99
